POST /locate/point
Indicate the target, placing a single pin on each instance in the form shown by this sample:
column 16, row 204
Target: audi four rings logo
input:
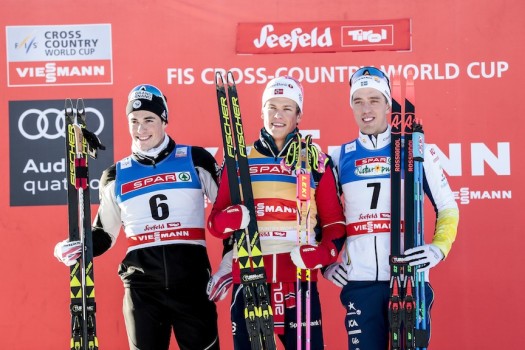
column 50, row 123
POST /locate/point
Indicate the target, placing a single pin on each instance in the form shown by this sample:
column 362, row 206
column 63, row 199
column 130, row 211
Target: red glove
column 314, row 257
column 233, row 218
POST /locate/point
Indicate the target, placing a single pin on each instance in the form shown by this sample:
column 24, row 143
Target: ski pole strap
column 292, row 156
column 418, row 140
column 93, row 142
column 316, row 158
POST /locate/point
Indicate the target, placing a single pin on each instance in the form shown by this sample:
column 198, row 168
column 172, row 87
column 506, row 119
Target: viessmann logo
column 46, row 55
column 257, row 38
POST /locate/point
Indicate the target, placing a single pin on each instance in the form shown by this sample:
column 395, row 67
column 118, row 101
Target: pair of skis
column 80, row 143
column 406, row 310
column 258, row 310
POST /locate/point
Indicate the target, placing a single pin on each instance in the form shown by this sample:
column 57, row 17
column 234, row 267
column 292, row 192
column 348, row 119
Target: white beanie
column 284, row 87
column 374, row 82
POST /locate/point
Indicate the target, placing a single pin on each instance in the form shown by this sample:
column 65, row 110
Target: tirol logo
column 37, row 149
column 367, row 35
column 296, row 37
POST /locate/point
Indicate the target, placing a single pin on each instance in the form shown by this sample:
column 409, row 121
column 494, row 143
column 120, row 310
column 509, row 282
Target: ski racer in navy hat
column 156, row 196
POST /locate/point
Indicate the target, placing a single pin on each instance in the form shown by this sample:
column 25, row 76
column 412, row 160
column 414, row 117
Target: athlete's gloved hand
column 336, row 273
column 233, row 218
column 425, row 257
column 221, row 281
column 68, row 252
column 313, row 257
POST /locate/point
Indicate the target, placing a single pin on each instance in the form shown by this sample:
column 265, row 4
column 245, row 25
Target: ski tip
column 396, row 78
column 68, row 103
column 68, row 108
column 230, row 77
column 219, row 78
column 232, row 86
column 81, row 110
column 410, row 78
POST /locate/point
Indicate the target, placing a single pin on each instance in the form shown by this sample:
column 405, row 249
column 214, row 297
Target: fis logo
column 28, row 43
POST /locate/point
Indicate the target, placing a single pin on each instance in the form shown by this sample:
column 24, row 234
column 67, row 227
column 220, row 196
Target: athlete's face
column 370, row 111
column 280, row 117
column 146, row 129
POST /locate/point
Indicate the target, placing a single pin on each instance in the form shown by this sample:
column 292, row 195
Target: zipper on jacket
column 377, row 260
column 165, row 267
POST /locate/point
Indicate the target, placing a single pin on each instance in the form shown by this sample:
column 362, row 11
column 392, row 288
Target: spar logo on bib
column 155, row 180
column 372, row 166
column 184, row 176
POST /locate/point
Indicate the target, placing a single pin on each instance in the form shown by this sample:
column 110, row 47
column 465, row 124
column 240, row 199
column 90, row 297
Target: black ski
column 258, row 310
column 395, row 305
column 79, row 144
column 409, row 298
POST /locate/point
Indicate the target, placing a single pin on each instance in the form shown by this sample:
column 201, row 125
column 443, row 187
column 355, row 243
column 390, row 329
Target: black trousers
column 151, row 314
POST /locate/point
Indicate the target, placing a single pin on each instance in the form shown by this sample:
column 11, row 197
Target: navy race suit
column 160, row 203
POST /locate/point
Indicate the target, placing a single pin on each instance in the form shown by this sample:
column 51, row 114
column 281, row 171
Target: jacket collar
column 375, row 142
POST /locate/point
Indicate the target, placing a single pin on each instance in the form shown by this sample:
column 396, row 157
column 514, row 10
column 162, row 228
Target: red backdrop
column 469, row 59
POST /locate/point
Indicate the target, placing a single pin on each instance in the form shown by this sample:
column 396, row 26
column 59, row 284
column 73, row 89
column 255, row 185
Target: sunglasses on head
column 369, row 71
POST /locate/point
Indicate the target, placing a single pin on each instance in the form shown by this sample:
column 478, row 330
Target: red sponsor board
column 334, row 36
column 468, row 66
